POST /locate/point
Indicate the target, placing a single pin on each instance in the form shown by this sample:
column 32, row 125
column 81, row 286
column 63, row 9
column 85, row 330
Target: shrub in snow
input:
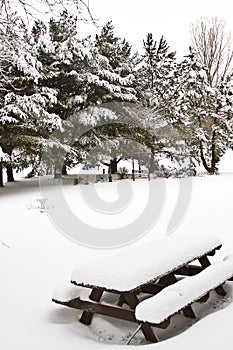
column 122, row 172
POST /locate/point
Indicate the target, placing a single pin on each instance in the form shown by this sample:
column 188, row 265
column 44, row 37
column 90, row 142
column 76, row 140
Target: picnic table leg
column 87, row 316
column 204, row 261
column 121, row 300
column 220, row 291
column 168, row 279
column 132, row 301
column 188, row 312
column 204, row 298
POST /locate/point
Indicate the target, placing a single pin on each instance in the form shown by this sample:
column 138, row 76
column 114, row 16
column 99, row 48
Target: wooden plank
column 188, row 270
column 111, row 311
column 153, row 288
column 102, row 309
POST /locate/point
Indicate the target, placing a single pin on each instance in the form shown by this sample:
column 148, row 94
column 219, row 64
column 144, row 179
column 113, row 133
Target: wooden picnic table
column 144, row 270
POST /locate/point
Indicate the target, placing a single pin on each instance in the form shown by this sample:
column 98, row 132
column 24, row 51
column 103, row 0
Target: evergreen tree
column 157, row 84
column 24, row 119
column 24, row 105
column 157, row 60
column 204, row 113
column 116, row 50
column 81, row 75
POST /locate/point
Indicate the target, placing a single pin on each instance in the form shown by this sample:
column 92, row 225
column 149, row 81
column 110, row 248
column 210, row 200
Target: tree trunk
column 10, row 175
column 64, row 169
column 113, row 166
column 207, row 168
column 58, row 170
column 214, row 159
column 210, row 169
column 1, row 175
column 139, row 168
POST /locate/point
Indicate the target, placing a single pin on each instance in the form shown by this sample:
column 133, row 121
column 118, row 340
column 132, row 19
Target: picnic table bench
column 155, row 280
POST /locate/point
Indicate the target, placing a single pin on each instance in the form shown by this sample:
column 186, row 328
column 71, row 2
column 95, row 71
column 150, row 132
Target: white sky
column 133, row 19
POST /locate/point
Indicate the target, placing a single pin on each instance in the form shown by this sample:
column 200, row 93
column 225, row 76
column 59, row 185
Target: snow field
column 39, row 259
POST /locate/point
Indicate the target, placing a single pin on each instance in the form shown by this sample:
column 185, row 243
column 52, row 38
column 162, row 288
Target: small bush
column 122, row 172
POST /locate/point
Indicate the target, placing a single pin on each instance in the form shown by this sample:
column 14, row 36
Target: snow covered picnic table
column 152, row 269
column 136, row 267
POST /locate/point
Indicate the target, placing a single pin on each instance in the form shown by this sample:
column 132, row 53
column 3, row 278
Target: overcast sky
column 133, row 19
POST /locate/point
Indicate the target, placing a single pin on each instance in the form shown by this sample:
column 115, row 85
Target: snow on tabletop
column 137, row 266
column 175, row 297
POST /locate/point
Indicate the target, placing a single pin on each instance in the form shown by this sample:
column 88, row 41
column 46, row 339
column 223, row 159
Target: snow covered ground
column 36, row 258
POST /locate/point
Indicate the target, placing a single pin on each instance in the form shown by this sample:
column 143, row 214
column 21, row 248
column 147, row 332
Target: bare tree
column 27, row 11
column 213, row 46
column 31, row 8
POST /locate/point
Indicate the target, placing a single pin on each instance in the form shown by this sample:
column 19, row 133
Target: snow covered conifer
column 204, row 113
column 157, row 84
column 116, row 50
column 24, row 118
column 79, row 73
column 157, row 60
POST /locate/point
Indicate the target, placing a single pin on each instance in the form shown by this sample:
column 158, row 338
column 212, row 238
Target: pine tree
column 24, row 119
column 204, row 113
column 157, row 60
column 118, row 67
column 157, row 84
column 115, row 49
column 82, row 77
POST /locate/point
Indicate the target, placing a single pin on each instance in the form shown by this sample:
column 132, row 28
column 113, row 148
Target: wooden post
column 133, row 171
column 1, row 174
column 132, row 301
column 168, row 279
column 121, row 300
column 204, row 261
column 188, row 312
column 87, row 316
